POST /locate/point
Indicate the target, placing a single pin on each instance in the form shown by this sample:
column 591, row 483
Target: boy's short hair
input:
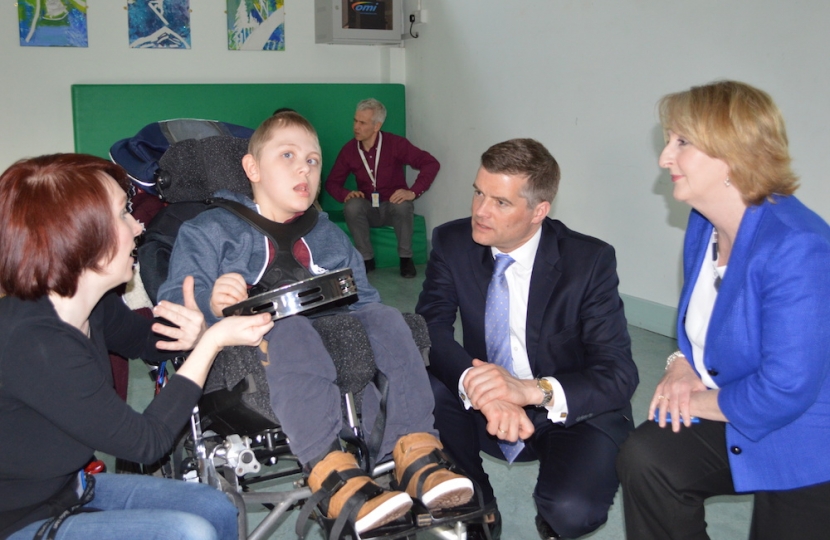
column 55, row 222
column 279, row 120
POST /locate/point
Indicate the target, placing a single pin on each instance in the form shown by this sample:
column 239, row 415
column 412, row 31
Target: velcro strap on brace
column 436, row 458
column 348, row 514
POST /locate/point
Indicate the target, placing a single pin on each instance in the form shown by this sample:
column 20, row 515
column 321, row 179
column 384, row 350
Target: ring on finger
column 661, row 396
column 502, row 431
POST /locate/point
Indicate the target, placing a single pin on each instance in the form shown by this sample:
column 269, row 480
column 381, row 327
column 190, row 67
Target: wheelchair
column 234, row 447
column 234, row 442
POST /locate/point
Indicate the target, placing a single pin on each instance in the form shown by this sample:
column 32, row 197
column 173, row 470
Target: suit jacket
column 768, row 343
column 576, row 327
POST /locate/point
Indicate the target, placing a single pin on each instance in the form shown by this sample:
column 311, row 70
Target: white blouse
column 699, row 312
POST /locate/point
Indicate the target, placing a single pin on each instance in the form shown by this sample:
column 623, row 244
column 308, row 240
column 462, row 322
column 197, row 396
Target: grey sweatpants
column 305, row 399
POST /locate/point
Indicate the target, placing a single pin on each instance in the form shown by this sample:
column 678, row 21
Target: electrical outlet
column 418, row 17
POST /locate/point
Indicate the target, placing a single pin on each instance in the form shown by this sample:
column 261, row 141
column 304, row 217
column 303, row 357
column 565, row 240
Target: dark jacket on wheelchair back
column 140, row 154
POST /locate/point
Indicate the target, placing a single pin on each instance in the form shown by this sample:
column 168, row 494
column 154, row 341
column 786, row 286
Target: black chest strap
column 285, row 269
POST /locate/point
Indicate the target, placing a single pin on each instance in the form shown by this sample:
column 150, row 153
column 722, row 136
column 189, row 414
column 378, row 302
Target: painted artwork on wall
column 159, row 24
column 256, row 25
column 52, row 23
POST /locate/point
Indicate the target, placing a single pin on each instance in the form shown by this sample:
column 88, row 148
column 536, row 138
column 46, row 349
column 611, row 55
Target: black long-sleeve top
column 58, row 405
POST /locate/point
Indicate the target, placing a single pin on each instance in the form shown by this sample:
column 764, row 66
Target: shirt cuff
column 558, row 409
column 462, row 394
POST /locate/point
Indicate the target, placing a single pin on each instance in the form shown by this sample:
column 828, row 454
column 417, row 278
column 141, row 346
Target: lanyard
column 372, row 174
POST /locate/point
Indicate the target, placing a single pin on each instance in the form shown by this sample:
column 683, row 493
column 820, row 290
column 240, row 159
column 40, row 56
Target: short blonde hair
column 285, row 118
column 740, row 125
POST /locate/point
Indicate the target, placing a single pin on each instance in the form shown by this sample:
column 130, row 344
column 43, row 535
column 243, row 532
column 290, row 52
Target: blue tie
column 497, row 333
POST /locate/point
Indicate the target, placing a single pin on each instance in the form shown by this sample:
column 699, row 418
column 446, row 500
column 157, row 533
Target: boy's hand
column 240, row 330
column 189, row 321
column 354, row 194
column 228, row 290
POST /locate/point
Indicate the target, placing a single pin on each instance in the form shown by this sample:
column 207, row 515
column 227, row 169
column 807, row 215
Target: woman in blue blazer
column 748, row 392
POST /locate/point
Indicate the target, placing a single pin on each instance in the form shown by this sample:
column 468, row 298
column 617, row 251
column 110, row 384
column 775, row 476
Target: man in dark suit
column 565, row 390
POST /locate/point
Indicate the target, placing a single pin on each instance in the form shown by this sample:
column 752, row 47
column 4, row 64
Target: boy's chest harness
column 284, row 269
column 287, row 287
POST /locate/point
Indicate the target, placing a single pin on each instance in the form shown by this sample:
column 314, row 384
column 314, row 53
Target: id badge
column 375, row 199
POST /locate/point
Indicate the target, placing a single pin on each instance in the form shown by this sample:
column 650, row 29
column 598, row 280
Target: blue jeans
column 140, row 507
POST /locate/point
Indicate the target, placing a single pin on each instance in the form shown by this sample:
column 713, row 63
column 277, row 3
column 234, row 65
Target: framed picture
column 256, row 25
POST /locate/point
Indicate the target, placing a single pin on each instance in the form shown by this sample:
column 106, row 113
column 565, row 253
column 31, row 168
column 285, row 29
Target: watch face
column 545, row 385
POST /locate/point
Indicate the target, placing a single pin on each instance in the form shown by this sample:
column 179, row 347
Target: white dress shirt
column 518, row 277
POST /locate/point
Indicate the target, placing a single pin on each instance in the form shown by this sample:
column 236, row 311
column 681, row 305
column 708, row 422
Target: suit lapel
column 699, row 229
column 733, row 280
column 481, row 268
column 542, row 284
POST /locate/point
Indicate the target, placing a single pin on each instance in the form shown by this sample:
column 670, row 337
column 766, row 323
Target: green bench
column 105, row 113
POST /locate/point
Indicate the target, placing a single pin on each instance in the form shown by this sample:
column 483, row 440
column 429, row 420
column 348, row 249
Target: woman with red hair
column 66, row 240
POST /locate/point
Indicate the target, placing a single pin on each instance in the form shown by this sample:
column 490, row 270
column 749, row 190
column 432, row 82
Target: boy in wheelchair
column 225, row 254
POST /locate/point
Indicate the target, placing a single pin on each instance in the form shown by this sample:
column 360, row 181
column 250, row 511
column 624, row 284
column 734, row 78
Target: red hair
column 55, row 222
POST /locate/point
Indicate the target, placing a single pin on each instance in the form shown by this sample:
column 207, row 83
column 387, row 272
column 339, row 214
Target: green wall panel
column 105, row 113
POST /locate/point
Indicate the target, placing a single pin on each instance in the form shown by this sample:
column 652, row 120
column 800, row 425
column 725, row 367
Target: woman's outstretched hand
column 230, row 331
column 188, row 320
column 239, row 330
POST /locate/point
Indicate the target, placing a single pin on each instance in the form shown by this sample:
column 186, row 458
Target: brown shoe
column 381, row 507
column 422, row 470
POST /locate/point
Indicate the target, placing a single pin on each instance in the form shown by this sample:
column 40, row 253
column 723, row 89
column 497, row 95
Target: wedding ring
column 661, row 396
column 502, row 431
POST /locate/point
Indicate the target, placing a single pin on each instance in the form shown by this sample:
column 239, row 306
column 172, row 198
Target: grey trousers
column 360, row 216
column 301, row 378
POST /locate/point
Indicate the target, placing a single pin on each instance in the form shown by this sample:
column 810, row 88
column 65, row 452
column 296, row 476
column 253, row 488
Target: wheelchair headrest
column 141, row 153
column 194, row 169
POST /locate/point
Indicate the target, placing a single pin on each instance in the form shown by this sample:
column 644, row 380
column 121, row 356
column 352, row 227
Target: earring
column 726, row 182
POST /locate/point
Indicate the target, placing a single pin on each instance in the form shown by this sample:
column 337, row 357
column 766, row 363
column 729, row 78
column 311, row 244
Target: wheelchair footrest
column 418, row 519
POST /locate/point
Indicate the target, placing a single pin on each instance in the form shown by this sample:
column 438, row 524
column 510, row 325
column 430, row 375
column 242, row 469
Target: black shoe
column 545, row 531
column 369, row 264
column 475, row 531
column 407, row 267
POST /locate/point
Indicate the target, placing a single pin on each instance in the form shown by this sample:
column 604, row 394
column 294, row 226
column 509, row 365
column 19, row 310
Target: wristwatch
column 547, row 389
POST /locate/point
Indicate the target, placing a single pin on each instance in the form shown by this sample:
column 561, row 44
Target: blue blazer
column 768, row 343
column 576, row 327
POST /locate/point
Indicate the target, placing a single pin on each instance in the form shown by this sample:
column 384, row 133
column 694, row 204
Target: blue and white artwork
column 159, row 24
column 52, row 23
column 256, row 25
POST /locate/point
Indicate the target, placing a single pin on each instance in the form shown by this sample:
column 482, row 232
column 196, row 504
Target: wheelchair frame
column 233, row 463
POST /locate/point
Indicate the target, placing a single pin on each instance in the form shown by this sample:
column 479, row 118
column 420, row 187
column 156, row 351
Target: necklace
column 718, row 279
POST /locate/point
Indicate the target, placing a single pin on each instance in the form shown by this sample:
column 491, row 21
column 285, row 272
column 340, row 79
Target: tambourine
column 301, row 298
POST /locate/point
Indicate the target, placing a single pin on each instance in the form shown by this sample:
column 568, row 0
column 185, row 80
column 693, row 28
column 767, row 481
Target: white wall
column 35, row 109
column 583, row 77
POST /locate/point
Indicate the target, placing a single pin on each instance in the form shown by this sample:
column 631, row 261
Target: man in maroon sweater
column 382, row 197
